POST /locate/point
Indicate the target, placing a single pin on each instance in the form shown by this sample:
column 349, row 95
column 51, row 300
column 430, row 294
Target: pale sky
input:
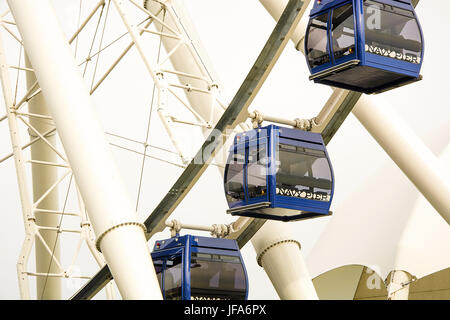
column 233, row 33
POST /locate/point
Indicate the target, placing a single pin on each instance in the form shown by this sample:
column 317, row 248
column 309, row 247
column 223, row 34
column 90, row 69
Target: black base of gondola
column 303, row 216
column 369, row 80
column 251, row 211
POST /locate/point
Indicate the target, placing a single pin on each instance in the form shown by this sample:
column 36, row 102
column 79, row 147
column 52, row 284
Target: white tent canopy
column 385, row 225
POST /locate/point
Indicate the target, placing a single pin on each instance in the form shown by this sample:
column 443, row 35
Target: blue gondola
column 278, row 173
column 368, row 46
column 200, row 268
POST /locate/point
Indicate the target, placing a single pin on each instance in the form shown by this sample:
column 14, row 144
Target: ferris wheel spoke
column 11, row 33
column 101, row 3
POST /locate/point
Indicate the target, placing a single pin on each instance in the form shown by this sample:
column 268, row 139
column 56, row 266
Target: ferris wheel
column 114, row 112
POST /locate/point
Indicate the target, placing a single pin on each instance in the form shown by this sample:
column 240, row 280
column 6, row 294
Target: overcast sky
column 233, row 33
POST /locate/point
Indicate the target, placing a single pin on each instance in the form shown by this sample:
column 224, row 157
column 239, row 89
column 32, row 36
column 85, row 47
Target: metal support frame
column 217, row 230
column 327, row 122
column 43, row 177
column 169, row 80
column 57, row 50
column 233, row 115
column 301, row 124
column 30, row 208
column 409, row 153
column 279, row 254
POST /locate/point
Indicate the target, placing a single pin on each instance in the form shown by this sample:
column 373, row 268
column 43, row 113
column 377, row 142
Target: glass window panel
column 219, row 277
column 343, row 31
column 392, row 32
column 172, row 279
column 256, row 169
column 317, row 41
column 234, row 185
column 303, row 173
column 158, row 264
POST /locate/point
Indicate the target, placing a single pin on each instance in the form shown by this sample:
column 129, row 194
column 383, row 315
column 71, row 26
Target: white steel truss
column 171, row 79
column 18, row 119
column 168, row 81
column 189, row 85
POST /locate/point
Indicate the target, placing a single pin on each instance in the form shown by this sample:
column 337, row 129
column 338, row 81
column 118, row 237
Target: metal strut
column 216, row 230
column 302, row 124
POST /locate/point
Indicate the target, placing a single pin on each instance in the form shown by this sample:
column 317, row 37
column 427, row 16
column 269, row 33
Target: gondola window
column 217, row 276
column 317, row 42
column 234, row 186
column 392, row 32
column 256, row 170
column 303, row 173
column 172, row 279
column 343, row 31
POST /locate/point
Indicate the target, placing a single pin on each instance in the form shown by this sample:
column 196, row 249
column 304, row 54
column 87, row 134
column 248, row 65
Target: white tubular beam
column 410, row 154
column 218, row 230
column 278, row 254
column 398, row 288
column 258, row 118
column 282, row 260
column 43, row 178
column 119, row 234
column 179, row 225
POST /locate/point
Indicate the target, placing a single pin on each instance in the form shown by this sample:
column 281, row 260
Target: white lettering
column 374, row 17
column 392, row 54
column 289, row 192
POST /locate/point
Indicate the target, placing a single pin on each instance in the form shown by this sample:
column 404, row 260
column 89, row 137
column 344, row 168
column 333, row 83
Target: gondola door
column 256, row 168
column 169, row 268
column 246, row 173
column 341, row 33
column 235, row 178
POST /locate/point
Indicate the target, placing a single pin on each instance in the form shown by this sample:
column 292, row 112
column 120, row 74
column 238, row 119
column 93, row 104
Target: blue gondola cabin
column 278, row 173
column 368, row 46
column 200, row 268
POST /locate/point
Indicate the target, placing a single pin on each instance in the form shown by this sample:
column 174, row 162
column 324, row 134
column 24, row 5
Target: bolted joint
column 213, row 86
column 263, row 252
column 220, row 230
column 303, row 124
column 159, row 75
column 124, row 224
column 314, row 122
column 85, row 224
column 257, row 119
column 175, row 227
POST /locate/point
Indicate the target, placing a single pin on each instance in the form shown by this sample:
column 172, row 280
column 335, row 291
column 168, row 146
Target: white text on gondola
column 302, row 194
column 392, row 54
